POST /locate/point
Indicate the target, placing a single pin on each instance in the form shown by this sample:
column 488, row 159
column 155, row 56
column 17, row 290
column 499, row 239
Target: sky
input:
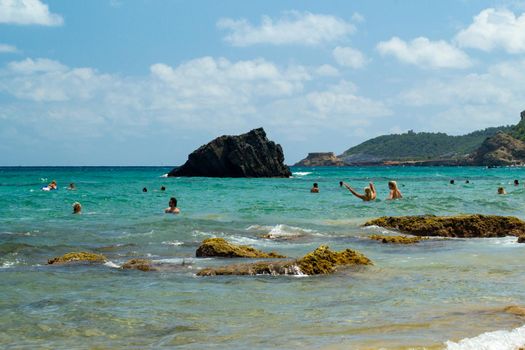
column 145, row 82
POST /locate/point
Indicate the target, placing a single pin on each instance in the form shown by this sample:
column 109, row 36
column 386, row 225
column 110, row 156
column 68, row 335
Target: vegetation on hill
column 421, row 145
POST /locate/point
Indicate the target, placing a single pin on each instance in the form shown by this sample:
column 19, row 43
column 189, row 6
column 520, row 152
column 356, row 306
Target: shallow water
column 413, row 297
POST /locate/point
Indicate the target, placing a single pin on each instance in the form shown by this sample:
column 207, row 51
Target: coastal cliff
column 500, row 150
column 246, row 155
column 320, row 159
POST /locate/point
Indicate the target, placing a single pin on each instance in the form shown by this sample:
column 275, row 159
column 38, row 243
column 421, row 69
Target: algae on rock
column 396, row 239
column 320, row 261
column 454, row 226
column 219, row 247
column 78, row 257
column 139, row 264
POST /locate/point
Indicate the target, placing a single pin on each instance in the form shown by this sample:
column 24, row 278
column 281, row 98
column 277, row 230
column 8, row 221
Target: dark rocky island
column 320, row 159
column 500, row 150
column 246, row 155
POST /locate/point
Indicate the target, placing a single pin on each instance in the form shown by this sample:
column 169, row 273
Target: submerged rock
column 219, row 247
column 521, row 239
column 320, row 159
column 515, row 310
column 139, row 264
column 78, row 257
column 395, row 239
column 246, row 155
column 466, row 226
column 320, row 261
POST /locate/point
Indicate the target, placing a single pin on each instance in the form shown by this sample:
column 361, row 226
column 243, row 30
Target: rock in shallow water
column 395, row 239
column 246, row 155
column 219, row 247
column 139, row 264
column 321, row 261
column 78, row 257
column 464, row 226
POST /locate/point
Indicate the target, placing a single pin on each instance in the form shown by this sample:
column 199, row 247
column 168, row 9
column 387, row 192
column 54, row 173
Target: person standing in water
column 370, row 192
column 501, row 190
column 77, row 208
column 172, row 208
column 394, row 191
column 315, row 188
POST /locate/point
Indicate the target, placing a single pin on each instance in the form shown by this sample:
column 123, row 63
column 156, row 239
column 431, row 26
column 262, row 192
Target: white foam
column 112, row 265
column 497, row 340
column 173, row 243
column 281, row 230
column 302, row 173
column 164, row 175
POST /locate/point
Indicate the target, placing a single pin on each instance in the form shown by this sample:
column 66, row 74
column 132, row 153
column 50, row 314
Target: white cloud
column 473, row 101
column 26, row 12
column 4, row 48
column 492, row 29
column 299, row 28
column 326, row 70
column 425, row 53
column 349, row 57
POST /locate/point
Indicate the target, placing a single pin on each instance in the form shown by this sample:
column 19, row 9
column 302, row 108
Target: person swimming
column 452, row 182
column 315, row 188
column 394, row 191
column 72, row 187
column 501, row 190
column 162, row 188
column 144, row 190
column 369, row 195
column 516, row 183
column 172, row 207
column 77, row 208
column 52, row 185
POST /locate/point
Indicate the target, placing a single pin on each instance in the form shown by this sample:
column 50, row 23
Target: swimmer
column 172, row 208
column 467, row 181
column 52, row 185
column 77, row 208
column 394, row 191
column 162, row 188
column 144, row 190
column 315, row 188
column 370, row 192
column 452, row 182
column 501, row 190
column 516, row 183
column 72, row 187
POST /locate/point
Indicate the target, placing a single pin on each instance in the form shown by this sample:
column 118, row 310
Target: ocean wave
column 497, row 340
column 112, row 265
column 173, row 243
column 301, row 173
column 281, row 231
column 164, row 175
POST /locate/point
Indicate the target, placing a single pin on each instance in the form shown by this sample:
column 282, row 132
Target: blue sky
column 145, row 82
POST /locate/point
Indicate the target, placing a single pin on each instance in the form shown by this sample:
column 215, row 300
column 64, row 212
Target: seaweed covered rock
column 521, row 239
column 219, row 247
column 515, row 310
column 465, row 226
column 246, row 155
column 320, row 261
column 78, row 257
column 139, row 264
column 395, row 239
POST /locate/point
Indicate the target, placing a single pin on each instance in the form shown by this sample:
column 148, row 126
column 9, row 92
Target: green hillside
column 420, row 146
column 518, row 131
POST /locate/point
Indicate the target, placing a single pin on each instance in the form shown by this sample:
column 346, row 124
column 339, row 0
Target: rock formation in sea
column 78, row 257
column 321, row 261
column 246, row 155
column 320, row 159
column 396, row 239
column 466, row 226
column 139, row 264
column 219, row 247
column 500, row 150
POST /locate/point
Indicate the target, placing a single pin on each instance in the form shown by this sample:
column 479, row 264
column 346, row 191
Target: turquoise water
column 413, row 297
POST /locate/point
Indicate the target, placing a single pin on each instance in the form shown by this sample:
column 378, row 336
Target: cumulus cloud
column 425, row 53
column 326, row 70
column 4, row 48
column 299, row 28
column 492, row 29
column 472, row 101
column 27, row 12
column 349, row 57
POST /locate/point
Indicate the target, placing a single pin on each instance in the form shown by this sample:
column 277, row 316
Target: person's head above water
column 516, row 182
column 368, row 192
column 315, row 188
column 501, row 190
column 392, row 185
column 173, row 202
column 452, row 182
column 77, row 208
column 162, row 188
column 144, row 189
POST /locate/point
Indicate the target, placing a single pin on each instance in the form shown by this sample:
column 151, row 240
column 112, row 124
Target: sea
column 436, row 294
